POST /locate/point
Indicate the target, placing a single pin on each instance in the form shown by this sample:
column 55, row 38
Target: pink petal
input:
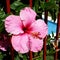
column 27, row 15
column 40, row 27
column 20, row 43
column 35, row 44
column 13, row 24
column 2, row 46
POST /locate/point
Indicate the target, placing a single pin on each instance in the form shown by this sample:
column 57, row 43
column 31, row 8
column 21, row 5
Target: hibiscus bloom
column 27, row 32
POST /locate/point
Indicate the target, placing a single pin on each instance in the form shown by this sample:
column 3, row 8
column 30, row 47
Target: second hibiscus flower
column 27, row 33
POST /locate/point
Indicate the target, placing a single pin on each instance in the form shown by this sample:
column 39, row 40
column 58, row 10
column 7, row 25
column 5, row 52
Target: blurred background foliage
column 39, row 6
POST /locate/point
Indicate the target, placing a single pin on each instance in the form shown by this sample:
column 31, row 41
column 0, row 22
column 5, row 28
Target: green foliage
column 2, row 17
column 19, row 56
column 1, row 56
column 50, row 49
column 16, row 6
column 50, row 6
column 39, row 7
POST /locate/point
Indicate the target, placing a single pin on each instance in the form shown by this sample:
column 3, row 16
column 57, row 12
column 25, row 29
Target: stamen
column 36, row 35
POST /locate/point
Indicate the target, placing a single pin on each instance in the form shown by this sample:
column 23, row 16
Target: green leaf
column 17, row 10
column 1, row 56
column 20, row 55
column 14, row 5
column 17, row 58
column 2, row 17
column 25, row 57
column 2, row 14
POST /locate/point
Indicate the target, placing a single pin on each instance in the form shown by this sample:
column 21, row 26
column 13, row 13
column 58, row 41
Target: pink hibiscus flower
column 28, row 33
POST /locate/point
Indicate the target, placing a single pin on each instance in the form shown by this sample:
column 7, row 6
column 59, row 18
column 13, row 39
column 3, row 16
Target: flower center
column 34, row 34
column 25, row 29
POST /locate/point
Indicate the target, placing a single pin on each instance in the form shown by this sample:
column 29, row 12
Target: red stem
column 8, row 6
column 44, row 44
column 11, row 50
column 57, row 32
column 30, row 3
column 30, row 53
column 8, row 11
